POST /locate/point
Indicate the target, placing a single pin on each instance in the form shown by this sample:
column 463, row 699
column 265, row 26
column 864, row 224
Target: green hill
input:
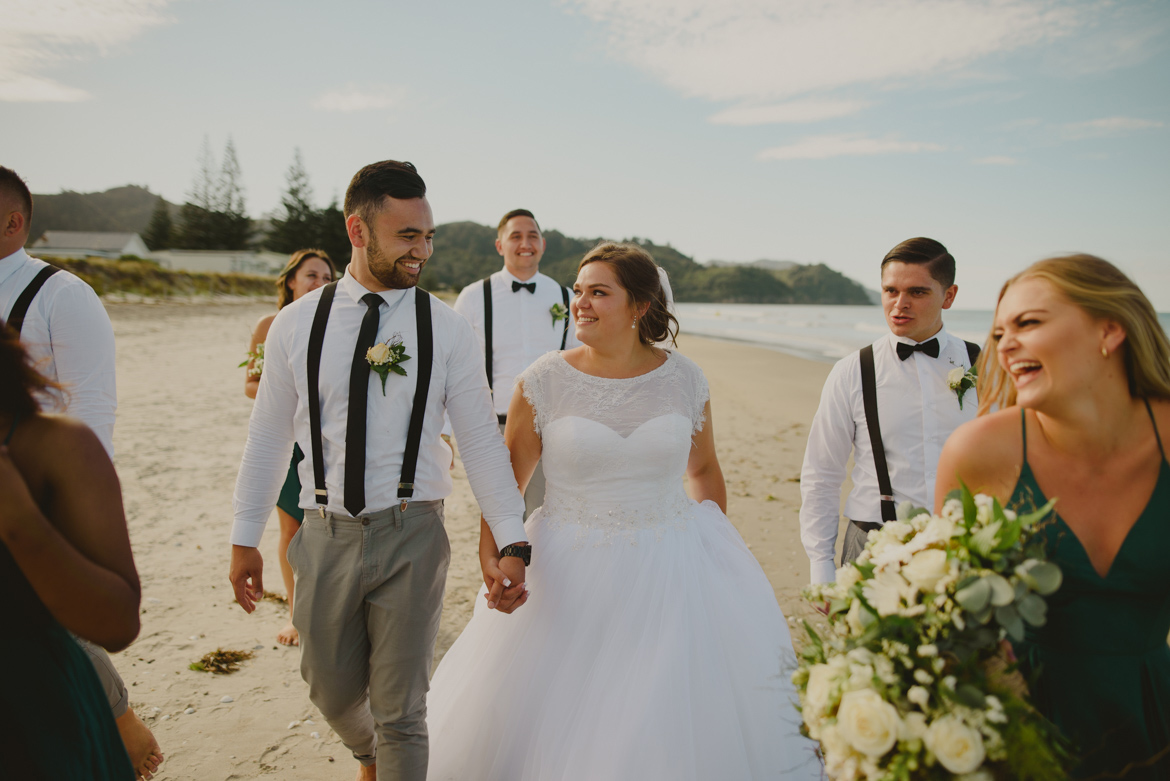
column 124, row 209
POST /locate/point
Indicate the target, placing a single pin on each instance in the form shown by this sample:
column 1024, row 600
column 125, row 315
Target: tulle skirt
column 655, row 653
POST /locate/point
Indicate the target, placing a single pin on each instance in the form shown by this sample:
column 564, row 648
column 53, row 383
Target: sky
column 807, row 130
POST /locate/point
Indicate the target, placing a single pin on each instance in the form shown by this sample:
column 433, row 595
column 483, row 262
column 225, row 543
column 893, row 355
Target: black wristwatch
column 522, row 552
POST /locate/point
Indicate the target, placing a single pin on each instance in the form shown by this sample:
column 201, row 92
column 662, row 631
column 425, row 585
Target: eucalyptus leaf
column 974, row 597
column 1009, row 618
column 1033, row 609
column 1002, row 592
column 984, row 615
column 970, row 696
column 1043, row 577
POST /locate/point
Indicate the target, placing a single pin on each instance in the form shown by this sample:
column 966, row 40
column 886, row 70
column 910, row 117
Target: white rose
column 940, row 528
column 868, row 722
column 926, row 568
column 958, row 747
column 886, row 591
column 847, row 577
column 818, row 690
column 955, row 377
column 899, row 530
column 379, row 353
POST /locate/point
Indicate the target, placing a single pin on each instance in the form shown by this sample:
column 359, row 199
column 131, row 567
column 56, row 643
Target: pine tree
column 332, row 236
column 197, row 229
column 299, row 226
column 233, row 227
column 159, row 233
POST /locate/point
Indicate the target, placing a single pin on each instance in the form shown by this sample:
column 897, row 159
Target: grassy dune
column 146, row 279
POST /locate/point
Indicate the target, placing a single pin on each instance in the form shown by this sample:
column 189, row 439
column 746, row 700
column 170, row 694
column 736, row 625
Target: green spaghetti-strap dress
column 57, row 720
column 1101, row 662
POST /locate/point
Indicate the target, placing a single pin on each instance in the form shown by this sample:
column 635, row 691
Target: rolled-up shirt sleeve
column 270, row 439
column 826, row 458
column 82, row 340
column 481, row 446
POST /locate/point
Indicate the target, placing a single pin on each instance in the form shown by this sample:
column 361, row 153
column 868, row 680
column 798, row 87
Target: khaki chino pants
column 369, row 597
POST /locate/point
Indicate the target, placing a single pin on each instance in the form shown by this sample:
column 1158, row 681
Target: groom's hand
column 497, row 572
column 247, row 566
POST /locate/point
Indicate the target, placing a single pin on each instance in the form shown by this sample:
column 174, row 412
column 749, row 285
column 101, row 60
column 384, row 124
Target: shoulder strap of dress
column 1024, row 432
column 11, row 431
column 1154, row 421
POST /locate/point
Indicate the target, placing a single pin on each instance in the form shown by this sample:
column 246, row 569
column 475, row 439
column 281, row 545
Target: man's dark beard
column 387, row 271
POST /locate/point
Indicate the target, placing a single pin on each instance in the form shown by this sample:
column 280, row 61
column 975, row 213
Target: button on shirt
column 917, row 411
column 69, row 337
column 522, row 327
column 457, row 385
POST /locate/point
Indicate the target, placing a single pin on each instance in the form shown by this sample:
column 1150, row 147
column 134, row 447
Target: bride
column 647, row 642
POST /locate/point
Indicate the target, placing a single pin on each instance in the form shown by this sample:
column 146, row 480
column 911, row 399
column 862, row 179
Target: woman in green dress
column 1078, row 368
column 306, row 270
column 65, row 564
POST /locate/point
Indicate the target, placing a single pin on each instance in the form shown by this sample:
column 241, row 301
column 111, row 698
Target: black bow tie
column 930, row 347
column 529, row 286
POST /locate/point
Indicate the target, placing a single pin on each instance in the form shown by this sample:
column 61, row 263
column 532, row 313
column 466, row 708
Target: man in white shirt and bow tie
column 519, row 315
column 896, row 420
column 360, row 373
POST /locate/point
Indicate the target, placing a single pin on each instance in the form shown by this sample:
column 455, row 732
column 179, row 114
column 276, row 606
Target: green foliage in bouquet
column 913, row 678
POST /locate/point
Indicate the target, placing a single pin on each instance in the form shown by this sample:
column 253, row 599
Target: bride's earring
column 635, row 325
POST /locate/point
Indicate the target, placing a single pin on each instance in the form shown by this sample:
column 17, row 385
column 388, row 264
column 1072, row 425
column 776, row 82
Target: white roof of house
column 94, row 240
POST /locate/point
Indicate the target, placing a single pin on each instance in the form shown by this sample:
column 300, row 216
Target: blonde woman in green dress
column 1079, row 370
column 306, row 270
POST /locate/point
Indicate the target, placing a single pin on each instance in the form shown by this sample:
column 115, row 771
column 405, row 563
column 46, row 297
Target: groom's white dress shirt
column 68, row 335
column 917, row 411
column 522, row 327
column 457, row 385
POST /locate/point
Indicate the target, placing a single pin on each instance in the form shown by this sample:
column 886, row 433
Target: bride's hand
column 504, row 598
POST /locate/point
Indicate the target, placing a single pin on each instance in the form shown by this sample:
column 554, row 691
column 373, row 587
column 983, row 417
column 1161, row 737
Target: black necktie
column 529, row 286
column 355, row 425
column 930, row 347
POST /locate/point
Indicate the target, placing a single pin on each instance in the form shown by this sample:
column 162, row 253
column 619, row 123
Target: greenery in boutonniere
column 961, row 380
column 255, row 358
column 385, row 357
column 558, row 313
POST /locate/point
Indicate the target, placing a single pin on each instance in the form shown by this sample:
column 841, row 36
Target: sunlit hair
column 637, row 273
column 20, row 383
column 284, row 294
column 1102, row 292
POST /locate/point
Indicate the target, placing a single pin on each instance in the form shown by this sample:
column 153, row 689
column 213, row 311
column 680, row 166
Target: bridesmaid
column 306, row 270
column 1078, row 347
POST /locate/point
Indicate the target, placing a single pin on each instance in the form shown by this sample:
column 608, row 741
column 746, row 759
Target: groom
column 371, row 556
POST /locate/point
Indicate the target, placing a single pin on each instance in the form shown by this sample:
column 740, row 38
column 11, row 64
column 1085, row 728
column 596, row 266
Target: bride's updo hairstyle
column 637, row 273
column 1102, row 292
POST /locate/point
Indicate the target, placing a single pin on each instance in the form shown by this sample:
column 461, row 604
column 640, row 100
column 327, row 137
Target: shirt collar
column 10, row 264
column 942, row 337
column 508, row 276
column 355, row 290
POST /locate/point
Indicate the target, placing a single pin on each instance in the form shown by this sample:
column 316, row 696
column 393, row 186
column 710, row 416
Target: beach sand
column 182, row 422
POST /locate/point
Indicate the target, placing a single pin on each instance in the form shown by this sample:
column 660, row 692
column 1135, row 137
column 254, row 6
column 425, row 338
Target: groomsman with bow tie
column 519, row 315
column 891, row 405
column 360, row 373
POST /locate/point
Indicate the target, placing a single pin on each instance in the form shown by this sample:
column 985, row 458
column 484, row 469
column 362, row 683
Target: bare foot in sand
column 367, row 773
column 288, row 635
column 143, row 749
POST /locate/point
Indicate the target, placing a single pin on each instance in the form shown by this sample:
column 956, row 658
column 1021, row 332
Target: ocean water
column 821, row 333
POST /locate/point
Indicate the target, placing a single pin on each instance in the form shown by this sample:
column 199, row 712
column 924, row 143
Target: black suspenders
column 25, row 299
column 869, row 400
column 487, row 326
column 426, row 349
column 487, row 329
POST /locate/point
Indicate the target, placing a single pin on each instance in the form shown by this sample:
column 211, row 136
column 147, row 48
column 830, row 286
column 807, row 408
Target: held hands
column 247, row 567
column 496, row 573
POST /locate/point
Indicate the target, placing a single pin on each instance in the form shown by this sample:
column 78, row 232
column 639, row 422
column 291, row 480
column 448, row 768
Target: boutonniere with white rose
column 385, row 357
column 961, row 380
column 558, row 313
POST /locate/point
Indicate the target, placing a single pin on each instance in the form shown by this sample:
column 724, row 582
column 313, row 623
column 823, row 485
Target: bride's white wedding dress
column 651, row 645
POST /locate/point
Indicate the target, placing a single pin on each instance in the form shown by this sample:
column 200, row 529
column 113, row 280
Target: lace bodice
column 615, row 450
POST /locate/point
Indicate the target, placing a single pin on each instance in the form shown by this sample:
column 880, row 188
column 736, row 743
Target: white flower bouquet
column 256, row 358
column 912, row 679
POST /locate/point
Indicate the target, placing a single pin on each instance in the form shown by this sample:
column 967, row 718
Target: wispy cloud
column 842, row 145
column 1107, row 126
column 355, row 98
column 997, row 160
column 756, row 51
column 37, row 35
column 795, row 111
